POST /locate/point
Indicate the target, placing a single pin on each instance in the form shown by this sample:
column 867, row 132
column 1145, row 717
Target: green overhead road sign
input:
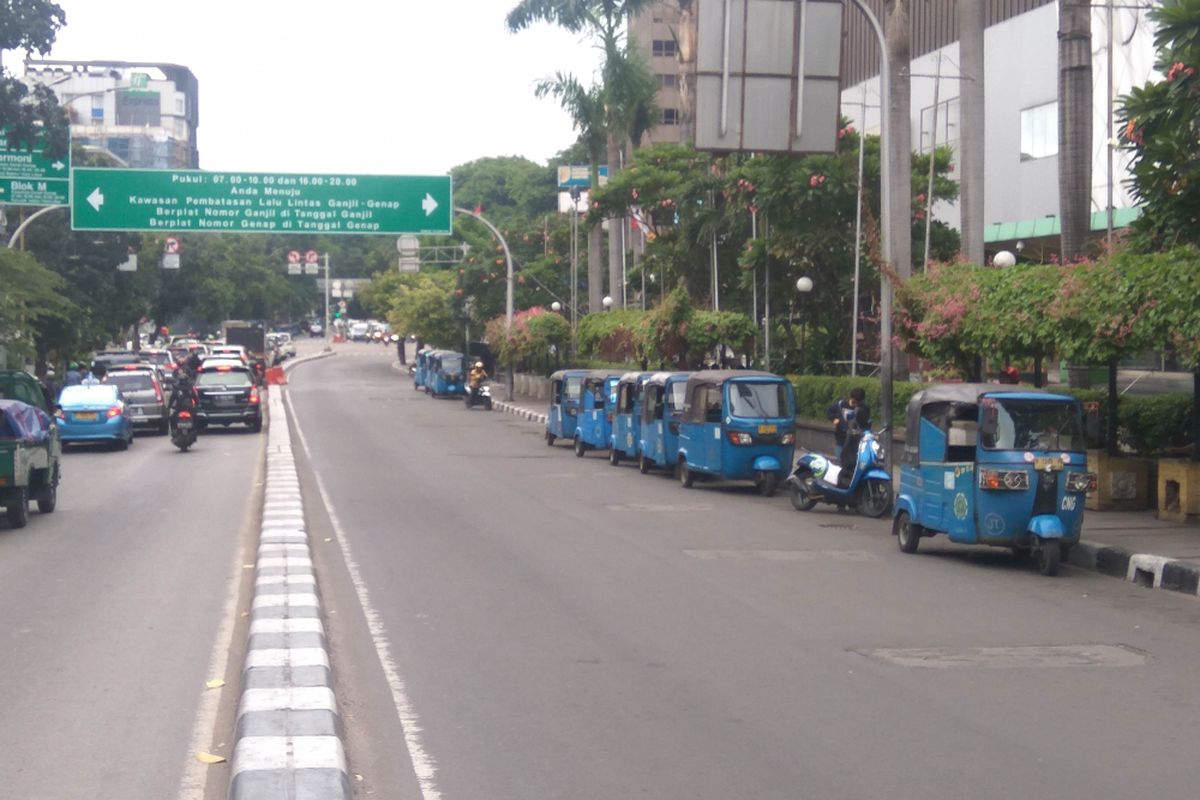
column 29, row 179
column 254, row 202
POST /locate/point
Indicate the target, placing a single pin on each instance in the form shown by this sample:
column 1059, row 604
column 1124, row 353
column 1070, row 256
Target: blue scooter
column 868, row 489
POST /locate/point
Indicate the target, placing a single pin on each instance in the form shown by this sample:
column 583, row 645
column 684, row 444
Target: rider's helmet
column 193, row 362
column 478, row 365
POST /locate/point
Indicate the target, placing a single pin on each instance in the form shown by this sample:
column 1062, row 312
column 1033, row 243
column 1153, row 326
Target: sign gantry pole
column 326, row 330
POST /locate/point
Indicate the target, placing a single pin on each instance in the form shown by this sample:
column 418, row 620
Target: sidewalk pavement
column 1134, row 545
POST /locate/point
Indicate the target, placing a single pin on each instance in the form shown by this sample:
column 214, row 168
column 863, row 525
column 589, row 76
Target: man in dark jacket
column 850, row 418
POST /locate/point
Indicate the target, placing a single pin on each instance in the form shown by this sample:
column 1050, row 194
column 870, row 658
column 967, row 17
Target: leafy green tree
column 31, row 26
column 419, row 304
column 1161, row 129
column 31, row 297
column 586, row 109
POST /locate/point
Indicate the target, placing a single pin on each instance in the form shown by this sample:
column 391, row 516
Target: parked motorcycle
column 479, row 395
column 183, row 429
column 819, row 479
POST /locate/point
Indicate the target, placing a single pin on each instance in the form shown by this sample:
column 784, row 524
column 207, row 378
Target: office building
column 144, row 114
column 1021, row 98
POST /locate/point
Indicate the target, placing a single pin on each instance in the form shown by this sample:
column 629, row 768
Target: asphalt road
column 114, row 612
column 509, row 621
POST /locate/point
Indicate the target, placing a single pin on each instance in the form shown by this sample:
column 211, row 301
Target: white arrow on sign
column 95, row 198
column 429, row 205
column 58, row 165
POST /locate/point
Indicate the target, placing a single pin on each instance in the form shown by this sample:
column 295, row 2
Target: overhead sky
column 398, row 87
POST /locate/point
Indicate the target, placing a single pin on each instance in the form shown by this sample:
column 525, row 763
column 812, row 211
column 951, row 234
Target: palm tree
column 605, row 20
column 1074, row 125
column 586, row 109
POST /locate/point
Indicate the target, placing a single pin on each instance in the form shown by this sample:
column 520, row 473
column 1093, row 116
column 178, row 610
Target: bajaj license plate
column 1048, row 464
column 768, row 429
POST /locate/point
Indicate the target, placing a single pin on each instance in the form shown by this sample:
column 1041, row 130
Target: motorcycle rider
column 477, row 375
column 183, row 396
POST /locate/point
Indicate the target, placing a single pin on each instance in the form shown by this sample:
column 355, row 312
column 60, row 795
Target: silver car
column 144, row 395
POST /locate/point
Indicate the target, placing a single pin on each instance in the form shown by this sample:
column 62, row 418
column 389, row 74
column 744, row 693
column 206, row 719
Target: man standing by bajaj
column 850, row 417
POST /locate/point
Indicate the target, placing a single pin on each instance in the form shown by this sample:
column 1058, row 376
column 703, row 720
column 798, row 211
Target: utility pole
column 972, row 125
column 898, row 105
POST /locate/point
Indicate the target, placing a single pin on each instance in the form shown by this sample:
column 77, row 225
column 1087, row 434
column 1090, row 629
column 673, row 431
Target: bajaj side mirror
column 989, row 423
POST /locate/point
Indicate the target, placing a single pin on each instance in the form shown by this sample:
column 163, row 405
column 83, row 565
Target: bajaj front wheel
column 580, row 447
column 908, row 533
column 1049, row 555
column 686, row 477
column 766, row 482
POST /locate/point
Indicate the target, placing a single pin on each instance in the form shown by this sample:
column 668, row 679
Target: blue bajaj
column 662, row 410
column 597, row 405
column 566, row 386
column 737, row 426
column 627, row 417
column 446, row 375
column 986, row 465
column 421, row 368
column 866, row 485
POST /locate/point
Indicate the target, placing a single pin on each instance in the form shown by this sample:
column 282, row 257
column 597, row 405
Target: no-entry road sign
column 249, row 202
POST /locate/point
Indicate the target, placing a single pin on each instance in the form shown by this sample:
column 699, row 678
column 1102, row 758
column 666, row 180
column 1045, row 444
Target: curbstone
column 288, row 742
column 1144, row 569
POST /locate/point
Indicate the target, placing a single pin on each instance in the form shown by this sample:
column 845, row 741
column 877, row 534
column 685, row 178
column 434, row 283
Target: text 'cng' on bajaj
column 992, row 466
column 737, row 425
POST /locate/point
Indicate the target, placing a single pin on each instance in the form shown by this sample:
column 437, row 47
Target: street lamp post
column 508, row 300
column 804, row 285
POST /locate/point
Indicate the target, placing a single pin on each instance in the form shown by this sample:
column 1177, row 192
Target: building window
column 670, row 116
column 668, row 81
column 947, row 125
column 1039, row 131
column 663, row 47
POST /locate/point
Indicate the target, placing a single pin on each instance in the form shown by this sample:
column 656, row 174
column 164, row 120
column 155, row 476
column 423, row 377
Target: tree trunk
column 595, row 268
column 973, row 127
column 898, row 34
column 1111, row 437
column 1074, row 126
column 616, row 276
column 686, row 34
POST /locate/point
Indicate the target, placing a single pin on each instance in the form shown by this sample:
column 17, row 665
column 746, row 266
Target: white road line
column 424, row 766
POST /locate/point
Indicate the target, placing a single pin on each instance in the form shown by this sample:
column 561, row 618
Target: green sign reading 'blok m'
column 252, row 202
column 28, row 178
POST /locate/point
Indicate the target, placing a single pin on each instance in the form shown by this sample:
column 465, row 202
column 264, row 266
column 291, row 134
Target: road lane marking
column 1020, row 657
column 424, row 766
column 194, row 782
column 782, row 555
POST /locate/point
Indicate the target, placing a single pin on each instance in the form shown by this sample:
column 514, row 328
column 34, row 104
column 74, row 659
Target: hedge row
column 1148, row 426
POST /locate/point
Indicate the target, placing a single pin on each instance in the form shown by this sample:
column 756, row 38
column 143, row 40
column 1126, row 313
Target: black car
column 143, row 393
column 228, row 395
